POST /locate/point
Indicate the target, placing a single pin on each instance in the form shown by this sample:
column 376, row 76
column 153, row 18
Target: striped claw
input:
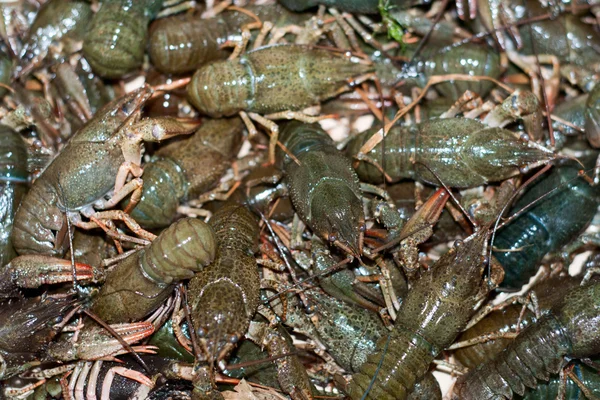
column 95, row 342
column 33, row 271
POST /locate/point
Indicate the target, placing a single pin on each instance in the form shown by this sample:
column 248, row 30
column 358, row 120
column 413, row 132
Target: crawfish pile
column 299, row 199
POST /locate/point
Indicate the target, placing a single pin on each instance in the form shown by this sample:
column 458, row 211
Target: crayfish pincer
column 435, row 311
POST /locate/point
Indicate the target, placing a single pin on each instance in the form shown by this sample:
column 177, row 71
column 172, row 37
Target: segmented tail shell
column 498, row 321
column 549, row 391
column 142, row 281
column 181, row 250
column 164, row 185
column 116, row 41
column 467, row 59
column 175, row 174
column 244, row 236
column 184, row 43
column 211, row 90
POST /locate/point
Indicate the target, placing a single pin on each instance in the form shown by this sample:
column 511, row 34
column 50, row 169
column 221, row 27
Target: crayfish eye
column 233, row 339
column 362, row 228
column 485, row 260
column 332, row 237
column 58, row 320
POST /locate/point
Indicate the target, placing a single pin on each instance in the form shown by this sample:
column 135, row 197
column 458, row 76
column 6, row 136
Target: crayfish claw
column 427, row 215
column 33, row 271
column 133, row 332
column 96, row 343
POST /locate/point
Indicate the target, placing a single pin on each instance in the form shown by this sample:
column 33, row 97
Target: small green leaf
column 394, row 29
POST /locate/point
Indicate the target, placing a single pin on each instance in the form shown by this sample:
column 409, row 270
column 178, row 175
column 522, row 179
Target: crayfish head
column 220, row 321
column 338, row 216
column 461, row 270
